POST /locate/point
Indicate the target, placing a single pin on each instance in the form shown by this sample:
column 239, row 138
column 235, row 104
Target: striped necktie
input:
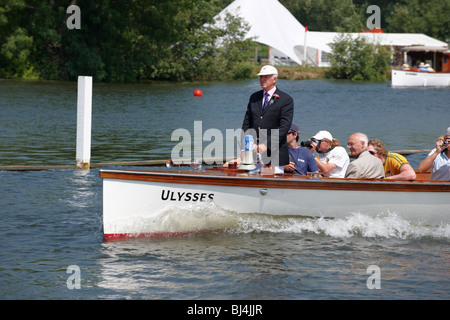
column 266, row 100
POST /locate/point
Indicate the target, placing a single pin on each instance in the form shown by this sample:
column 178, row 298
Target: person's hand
column 261, row 148
column 446, row 139
column 313, row 146
column 439, row 145
column 237, row 161
column 289, row 167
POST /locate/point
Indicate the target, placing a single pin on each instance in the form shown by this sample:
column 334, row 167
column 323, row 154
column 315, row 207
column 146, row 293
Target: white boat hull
column 136, row 207
column 404, row 78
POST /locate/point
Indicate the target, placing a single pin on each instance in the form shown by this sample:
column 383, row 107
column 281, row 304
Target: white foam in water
column 207, row 216
column 356, row 224
column 197, row 217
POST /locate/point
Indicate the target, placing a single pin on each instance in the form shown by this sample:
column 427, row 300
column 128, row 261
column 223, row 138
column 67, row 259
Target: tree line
column 172, row 40
column 431, row 17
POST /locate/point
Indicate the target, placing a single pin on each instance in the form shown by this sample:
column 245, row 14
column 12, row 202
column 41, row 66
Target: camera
column 446, row 143
column 307, row 144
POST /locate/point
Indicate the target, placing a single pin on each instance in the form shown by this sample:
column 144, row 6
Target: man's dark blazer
column 277, row 115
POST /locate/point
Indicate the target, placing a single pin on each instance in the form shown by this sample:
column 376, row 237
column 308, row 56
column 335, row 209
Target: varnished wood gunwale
column 237, row 179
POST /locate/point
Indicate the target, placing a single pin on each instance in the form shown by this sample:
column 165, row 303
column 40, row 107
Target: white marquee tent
column 273, row 25
column 270, row 23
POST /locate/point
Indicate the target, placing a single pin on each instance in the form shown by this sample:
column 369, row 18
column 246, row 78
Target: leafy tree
column 15, row 42
column 118, row 40
column 431, row 17
column 171, row 39
column 16, row 51
column 327, row 15
column 355, row 59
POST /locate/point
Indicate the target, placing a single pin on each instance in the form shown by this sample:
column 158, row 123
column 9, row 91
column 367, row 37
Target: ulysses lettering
column 169, row 195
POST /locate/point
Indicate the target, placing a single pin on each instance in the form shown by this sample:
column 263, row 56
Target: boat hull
column 135, row 203
column 404, row 78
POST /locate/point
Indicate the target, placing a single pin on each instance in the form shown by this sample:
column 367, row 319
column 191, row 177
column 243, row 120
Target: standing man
column 366, row 166
column 270, row 113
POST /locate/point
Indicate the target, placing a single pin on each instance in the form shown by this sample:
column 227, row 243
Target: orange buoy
column 198, row 93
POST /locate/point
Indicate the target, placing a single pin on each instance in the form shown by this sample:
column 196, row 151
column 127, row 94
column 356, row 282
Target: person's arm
column 325, row 168
column 312, row 164
column 285, row 118
column 406, row 173
column 428, row 162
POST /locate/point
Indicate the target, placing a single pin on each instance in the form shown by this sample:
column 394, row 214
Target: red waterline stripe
column 153, row 235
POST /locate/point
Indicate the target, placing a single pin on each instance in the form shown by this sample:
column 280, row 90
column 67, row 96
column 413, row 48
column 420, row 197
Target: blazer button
column 261, row 117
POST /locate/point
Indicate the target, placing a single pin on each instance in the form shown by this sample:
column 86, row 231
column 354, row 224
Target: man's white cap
column 448, row 131
column 268, row 70
column 323, row 135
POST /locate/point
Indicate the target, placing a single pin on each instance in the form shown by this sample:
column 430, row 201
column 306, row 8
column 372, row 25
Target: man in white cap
column 366, row 166
column 333, row 160
column 269, row 113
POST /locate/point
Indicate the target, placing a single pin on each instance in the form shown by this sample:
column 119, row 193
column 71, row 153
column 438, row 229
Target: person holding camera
column 301, row 161
column 438, row 159
column 333, row 160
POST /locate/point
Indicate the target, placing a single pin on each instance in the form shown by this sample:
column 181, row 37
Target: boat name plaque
column 169, row 195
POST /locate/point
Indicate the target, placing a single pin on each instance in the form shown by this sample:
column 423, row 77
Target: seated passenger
column 430, row 69
column 422, row 67
column 395, row 165
column 366, row 166
column 333, row 160
column 301, row 161
column 405, row 66
column 439, row 160
column 424, row 165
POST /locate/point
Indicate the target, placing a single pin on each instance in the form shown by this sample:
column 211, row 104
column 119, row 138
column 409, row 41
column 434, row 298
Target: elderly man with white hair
column 366, row 166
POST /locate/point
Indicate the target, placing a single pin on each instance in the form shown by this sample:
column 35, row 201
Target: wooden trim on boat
column 237, row 178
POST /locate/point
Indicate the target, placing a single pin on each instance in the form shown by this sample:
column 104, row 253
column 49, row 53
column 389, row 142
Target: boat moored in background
column 437, row 57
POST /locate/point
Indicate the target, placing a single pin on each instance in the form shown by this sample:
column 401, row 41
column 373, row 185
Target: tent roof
column 424, row 49
column 273, row 25
column 387, row 39
column 270, row 23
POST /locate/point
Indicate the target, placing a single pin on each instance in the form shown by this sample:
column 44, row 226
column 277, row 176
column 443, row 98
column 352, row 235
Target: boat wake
column 208, row 217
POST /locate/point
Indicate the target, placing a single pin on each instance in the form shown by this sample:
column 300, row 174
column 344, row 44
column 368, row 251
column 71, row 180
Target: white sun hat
column 268, row 70
column 323, row 135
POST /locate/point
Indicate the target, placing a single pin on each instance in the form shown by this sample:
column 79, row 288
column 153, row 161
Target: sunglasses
column 291, row 132
column 373, row 152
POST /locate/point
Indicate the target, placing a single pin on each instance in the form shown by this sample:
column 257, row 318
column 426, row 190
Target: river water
column 51, row 220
